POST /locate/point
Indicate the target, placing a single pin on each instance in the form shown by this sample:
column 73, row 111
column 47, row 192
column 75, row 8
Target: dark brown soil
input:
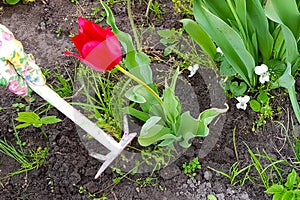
column 69, row 167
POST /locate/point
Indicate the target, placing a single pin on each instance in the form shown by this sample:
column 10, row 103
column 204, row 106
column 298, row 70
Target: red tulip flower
column 98, row 48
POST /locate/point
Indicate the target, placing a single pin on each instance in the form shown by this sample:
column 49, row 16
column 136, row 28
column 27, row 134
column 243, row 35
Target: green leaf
column 172, row 105
column 258, row 25
column 275, row 189
column 285, row 12
column 263, row 97
column 289, row 195
column 211, row 197
column 228, row 40
column 287, row 80
column 12, row 2
column 191, row 127
column 136, row 113
column 50, row 120
column 200, row 37
column 291, row 180
column 255, row 106
column 25, row 125
column 226, row 69
column 28, row 117
column 238, row 89
column 152, row 132
column 133, row 94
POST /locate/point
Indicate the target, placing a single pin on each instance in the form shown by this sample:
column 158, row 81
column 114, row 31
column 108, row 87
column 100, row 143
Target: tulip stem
column 139, row 81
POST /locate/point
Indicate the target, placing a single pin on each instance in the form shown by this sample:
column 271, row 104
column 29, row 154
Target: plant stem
column 125, row 72
column 136, row 38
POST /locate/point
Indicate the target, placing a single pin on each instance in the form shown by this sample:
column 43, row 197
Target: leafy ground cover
column 228, row 158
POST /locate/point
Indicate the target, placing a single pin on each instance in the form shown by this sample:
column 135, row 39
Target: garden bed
column 69, row 171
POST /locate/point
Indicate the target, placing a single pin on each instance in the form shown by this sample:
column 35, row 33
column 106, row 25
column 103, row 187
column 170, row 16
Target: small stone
column 229, row 152
column 208, row 175
column 208, row 185
column 218, row 187
column 220, row 196
column 198, row 177
column 244, row 196
column 137, row 190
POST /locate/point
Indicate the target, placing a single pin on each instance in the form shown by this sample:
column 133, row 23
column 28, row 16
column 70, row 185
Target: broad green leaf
column 28, row 117
column 287, row 80
column 258, row 22
column 275, row 189
column 221, row 9
column 136, row 113
column 290, row 45
column 200, row 37
column 255, row 106
column 187, row 129
column 206, row 117
column 263, row 97
column 191, row 127
column 285, row 12
column 291, row 180
column 133, row 94
column 228, row 40
column 289, row 195
column 50, row 120
column 25, row 125
column 172, row 105
column 149, row 123
column 12, row 2
column 238, row 89
column 152, row 132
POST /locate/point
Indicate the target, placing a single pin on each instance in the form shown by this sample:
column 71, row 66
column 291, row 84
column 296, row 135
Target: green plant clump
column 289, row 191
column 190, row 168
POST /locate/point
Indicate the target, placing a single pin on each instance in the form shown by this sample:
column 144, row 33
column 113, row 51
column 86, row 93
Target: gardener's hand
column 17, row 69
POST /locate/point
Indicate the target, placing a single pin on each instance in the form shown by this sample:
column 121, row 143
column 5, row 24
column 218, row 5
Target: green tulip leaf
column 134, row 94
column 199, row 36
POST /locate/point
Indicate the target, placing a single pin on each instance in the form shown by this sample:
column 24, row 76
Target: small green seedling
column 31, row 118
column 211, row 197
column 289, row 191
column 14, row 2
column 190, row 168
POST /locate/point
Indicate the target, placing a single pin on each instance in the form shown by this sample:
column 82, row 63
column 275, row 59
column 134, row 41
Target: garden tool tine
column 91, row 128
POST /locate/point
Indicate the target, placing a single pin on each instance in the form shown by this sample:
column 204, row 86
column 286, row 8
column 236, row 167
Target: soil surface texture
column 44, row 30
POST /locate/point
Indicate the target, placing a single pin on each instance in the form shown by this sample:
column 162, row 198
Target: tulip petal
column 106, row 55
column 88, row 47
column 92, row 30
column 79, row 41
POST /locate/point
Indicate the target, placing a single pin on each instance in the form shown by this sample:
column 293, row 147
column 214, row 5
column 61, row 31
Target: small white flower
column 219, row 50
column 193, row 69
column 263, row 71
column 242, row 104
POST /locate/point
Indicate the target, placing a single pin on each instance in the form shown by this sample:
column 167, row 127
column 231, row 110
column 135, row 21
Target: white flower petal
column 259, row 70
column 246, row 99
column 242, row 104
column 193, row 70
column 219, row 50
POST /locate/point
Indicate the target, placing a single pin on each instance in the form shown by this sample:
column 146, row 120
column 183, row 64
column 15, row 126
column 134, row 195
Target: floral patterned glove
column 17, row 69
